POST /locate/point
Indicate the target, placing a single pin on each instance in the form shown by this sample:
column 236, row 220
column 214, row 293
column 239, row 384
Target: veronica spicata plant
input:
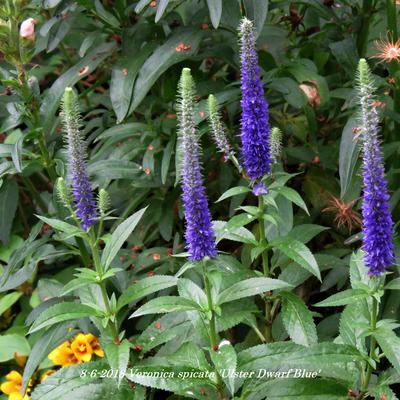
column 369, row 266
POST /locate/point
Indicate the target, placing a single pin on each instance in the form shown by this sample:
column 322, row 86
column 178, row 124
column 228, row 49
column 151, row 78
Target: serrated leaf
column 297, row 388
column 298, row 320
column 234, row 192
column 85, row 381
column 119, row 236
column 61, row 226
column 225, row 359
column 189, row 290
column 291, row 195
column 389, row 342
column 341, row 299
column 41, row 349
column 299, row 253
column 145, row 287
column 250, row 287
column 118, row 357
column 61, row 312
column 165, row 304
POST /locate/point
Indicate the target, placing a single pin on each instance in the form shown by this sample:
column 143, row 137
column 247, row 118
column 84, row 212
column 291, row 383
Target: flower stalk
column 199, row 234
column 377, row 220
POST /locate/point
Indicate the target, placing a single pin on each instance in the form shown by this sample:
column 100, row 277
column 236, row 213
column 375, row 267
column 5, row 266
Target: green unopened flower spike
column 103, row 202
column 276, row 144
column 62, row 193
column 217, row 128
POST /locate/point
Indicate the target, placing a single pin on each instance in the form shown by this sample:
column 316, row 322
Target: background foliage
column 124, row 58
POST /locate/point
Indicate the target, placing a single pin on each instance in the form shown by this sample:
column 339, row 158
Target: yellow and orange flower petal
column 46, row 374
column 95, row 345
column 17, row 396
column 63, row 355
column 81, row 348
column 13, row 386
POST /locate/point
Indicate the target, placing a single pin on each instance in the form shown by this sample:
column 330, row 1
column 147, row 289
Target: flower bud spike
column 377, row 223
column 199, row 234
column 77, row 170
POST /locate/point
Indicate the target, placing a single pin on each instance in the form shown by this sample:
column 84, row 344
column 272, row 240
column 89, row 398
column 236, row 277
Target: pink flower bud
column 27, row 30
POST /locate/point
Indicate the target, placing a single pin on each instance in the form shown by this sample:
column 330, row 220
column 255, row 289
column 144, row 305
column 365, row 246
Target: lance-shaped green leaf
column 118, row 357
column 295, row 387
column 119, row 236
column 341, row 299
column 45, row 344
column 234, row 192
column 165, row 304
column 145, row 287
column 250, row 287
column 389, row 342
column 298, row 320
column 224, row 358
column 298, row 252
column 8, row 300
column 62, row 312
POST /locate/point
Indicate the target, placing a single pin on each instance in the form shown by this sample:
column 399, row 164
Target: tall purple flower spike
column 78, row 176
column 199, row 235
column 255, row 128
column 377, row 220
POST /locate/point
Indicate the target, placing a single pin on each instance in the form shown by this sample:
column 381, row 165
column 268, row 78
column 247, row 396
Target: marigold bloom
column 78, row 175
column 81, row 348
column 13, row 386
column 255, row 128
column 199, row 235
column 63, row 355
column 376, row 218
column 94, row 344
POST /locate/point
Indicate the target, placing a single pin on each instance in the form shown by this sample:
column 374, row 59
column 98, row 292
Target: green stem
column 212, row 325
column 362, row 38
column 391, row 19
column 266, row 271
column 368, row 373
column 35, row 194
column 99, row 270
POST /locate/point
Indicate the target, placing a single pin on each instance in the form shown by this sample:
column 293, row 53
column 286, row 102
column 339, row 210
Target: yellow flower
column 81, row 348
column 63, row 355
column 95, row 345
column 46, row 374
column 13, row 386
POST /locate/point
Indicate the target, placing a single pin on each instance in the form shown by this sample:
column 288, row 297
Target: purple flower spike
column 377, row 220
column 83, row 197
column 199, row 235
column 255, row 129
